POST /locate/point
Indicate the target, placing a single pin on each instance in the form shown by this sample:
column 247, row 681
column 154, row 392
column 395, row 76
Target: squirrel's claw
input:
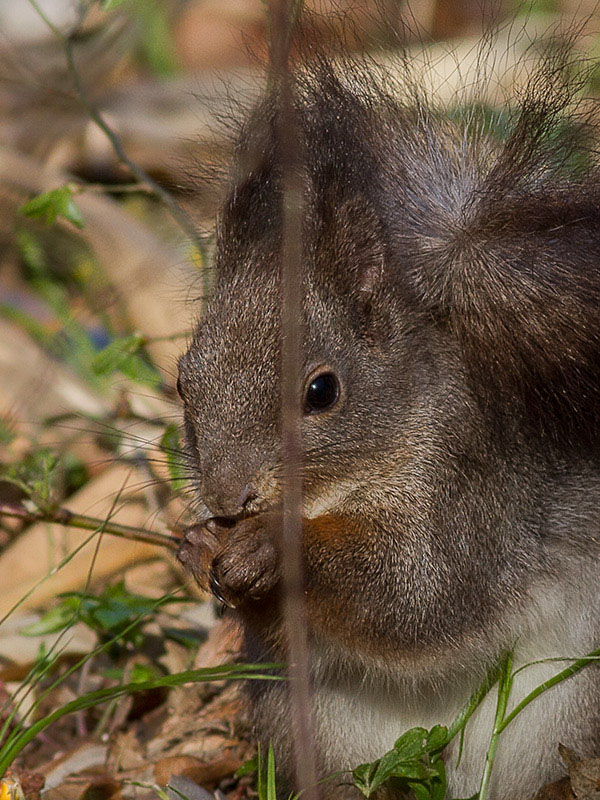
column 217, row 590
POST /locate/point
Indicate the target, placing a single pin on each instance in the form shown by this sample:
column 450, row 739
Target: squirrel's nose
column 223, row 500
column 247, row 495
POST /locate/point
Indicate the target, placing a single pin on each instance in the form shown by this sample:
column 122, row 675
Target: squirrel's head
column 448, row 285
column 351, row 395
column 230, row 377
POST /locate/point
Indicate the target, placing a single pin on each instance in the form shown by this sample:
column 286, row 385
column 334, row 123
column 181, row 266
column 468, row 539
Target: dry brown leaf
column 84, row 757
column 584, row 774
column 202, row 773
column 558, row 790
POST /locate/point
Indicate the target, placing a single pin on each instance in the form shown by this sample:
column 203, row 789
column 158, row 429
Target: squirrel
column 450, row 419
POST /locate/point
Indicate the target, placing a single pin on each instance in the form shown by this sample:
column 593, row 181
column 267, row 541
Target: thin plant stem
column 62, row 516
column 555, row 659
column 472, row 704
column 504, row 687
column 291, row 276
column 94, row 114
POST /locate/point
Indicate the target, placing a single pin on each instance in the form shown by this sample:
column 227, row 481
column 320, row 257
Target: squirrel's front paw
column 197, row 550
column 246, row 567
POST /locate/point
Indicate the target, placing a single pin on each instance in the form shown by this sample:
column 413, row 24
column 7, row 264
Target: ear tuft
column 352, row 237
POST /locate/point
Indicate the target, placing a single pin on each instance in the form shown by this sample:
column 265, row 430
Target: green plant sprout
column 415, row 761
column 48, row 206
column 109, row 615
column 171, row 445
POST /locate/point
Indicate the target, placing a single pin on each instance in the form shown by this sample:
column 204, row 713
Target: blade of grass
column 271, row 791
column 472, row 704
column 226, row 672
column 577, row 665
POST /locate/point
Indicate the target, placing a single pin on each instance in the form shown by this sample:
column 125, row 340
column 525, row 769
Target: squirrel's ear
column 353, row 247
column 519, row 286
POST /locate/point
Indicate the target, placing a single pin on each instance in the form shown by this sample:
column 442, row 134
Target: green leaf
column 55, row 203
column 141, row 673
column 35, row 475
column 437, row 738
column 411, row 744
column 420, row 790
column 363, row 777
column 114, row 608
column 438, row 784
column 171, row 445
column 247, row 768
column 414, row 770
column 139, row 370
column 122, row 355
column 111, row 5
column 408, row 766
column 389, row 765
column 54, row 620
column 409, row 769
column 114, row 356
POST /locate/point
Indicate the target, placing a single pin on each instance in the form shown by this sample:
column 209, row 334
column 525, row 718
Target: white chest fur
column 359, row 720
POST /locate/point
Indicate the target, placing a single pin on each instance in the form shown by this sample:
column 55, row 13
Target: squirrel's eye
column 322, row 393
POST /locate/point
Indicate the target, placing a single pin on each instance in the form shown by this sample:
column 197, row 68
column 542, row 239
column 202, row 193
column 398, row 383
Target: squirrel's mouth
column 227, row 522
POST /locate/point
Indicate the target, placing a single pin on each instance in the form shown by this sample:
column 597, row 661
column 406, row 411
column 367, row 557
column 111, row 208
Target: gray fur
column 453, row 285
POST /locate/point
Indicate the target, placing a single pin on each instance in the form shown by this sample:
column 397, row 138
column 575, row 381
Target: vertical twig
column 295, row 617
column 67, row 41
